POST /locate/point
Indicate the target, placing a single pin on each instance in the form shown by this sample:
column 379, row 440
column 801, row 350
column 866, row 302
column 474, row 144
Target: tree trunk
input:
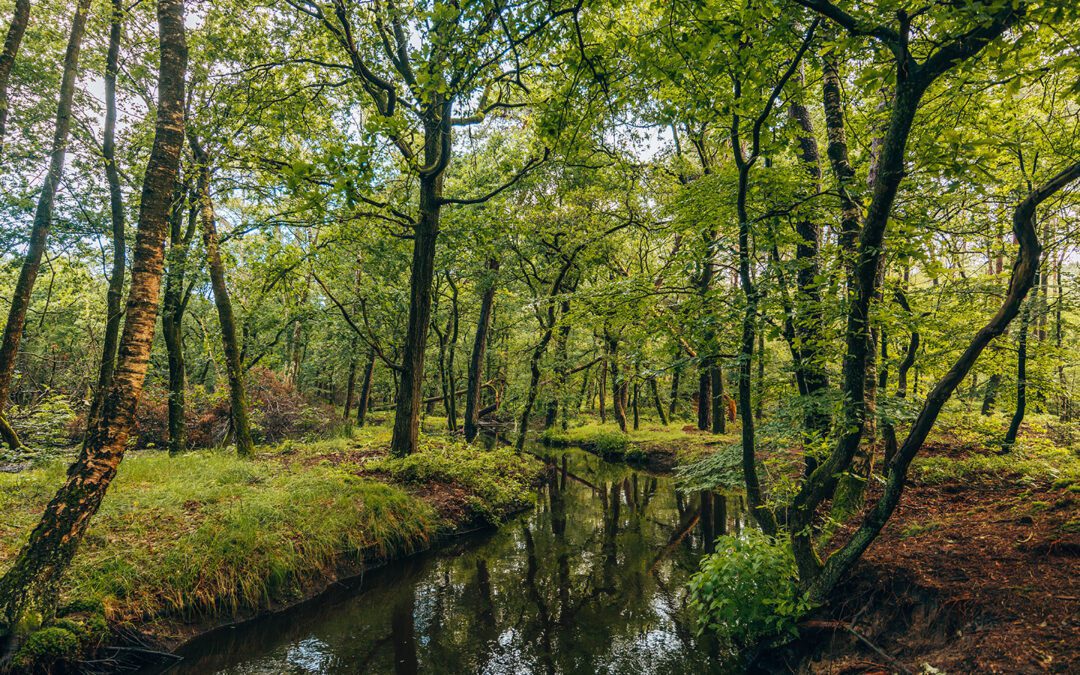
column 39, row 233
column 407, row 414
column 559, row 397
column 350, row 385
column 990, row 394
column 115, row 298
column 7, row 58
column 365, row 391
column 238, row 404
column 716, row 387
column 452, row 338
column 660, row 412
column 888, row 428
column 676, row 375
column 618, row 385
column 538, row 353
column 637, row 419
column 172, row 318
column 602, row 391
column 33, row 578
column 1021, row 370
column 704, row 410
column 476, row 359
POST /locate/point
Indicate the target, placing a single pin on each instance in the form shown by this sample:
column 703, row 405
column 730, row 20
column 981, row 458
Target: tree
column 455, row 56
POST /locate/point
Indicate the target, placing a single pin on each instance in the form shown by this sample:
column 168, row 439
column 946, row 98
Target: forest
column 540, row 336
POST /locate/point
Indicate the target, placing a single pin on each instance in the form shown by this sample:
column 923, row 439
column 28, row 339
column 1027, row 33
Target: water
column 591, row 580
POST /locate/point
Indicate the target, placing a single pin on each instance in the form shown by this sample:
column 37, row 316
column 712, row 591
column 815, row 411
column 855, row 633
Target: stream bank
column 591, row 579
column 210, row 539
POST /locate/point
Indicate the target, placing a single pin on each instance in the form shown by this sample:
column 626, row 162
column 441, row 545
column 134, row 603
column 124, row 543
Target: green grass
column 500, row 480
column 652, row 437
column 206, row 533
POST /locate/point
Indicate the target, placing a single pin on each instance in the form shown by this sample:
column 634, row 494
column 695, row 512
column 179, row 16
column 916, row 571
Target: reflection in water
column 592, row 580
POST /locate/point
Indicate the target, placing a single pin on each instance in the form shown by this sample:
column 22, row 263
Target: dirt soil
column 973, row 576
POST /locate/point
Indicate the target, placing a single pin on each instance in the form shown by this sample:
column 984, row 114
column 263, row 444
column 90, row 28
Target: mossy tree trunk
column 238, row 403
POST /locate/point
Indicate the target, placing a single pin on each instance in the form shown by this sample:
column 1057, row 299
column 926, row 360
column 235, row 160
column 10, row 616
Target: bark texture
column 238, row 403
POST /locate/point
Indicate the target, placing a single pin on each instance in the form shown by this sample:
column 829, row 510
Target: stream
column 592, row 579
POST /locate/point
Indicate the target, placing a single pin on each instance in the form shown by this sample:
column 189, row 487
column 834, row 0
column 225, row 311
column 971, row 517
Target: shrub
column 278, row 411
column 45, row 424
column 745, row 591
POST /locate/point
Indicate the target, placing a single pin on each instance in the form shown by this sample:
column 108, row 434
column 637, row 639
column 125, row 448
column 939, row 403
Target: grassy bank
column 655, row 445
column 202, row 538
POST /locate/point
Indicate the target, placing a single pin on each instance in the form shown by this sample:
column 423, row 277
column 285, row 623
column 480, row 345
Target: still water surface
column 591, row 580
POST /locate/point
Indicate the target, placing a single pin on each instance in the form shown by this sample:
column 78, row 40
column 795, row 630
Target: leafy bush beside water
column 745, row 591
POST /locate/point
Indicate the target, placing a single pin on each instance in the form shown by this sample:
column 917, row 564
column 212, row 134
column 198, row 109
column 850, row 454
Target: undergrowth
column 746, row 590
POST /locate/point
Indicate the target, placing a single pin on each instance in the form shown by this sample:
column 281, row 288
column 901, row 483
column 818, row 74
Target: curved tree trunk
column 1023, row 278
column 34, row 575
column 39, row 233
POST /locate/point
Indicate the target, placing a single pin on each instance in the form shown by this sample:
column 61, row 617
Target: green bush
column 746, row 591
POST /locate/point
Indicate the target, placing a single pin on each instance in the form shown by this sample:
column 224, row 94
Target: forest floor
column 185, row 543
column 977, row 571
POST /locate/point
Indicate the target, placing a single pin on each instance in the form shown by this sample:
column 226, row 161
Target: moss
column 46, row 647
column 82, row 606
column 916, row 529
